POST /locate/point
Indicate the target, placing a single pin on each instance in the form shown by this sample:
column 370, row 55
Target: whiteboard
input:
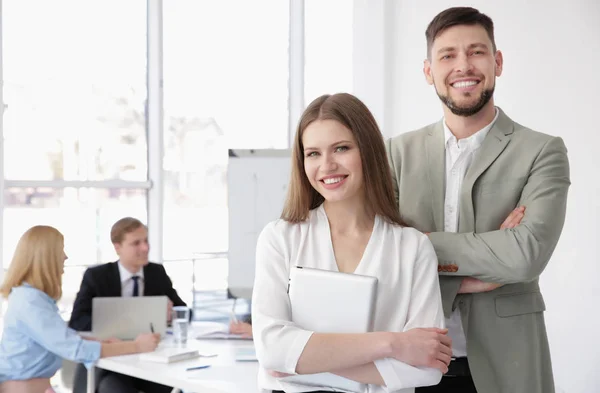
column 257, row 182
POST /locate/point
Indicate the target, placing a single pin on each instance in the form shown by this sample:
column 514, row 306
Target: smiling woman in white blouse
column 35, row 337
column 341, row 215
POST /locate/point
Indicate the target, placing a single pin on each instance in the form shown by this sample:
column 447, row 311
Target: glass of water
column 181, row 323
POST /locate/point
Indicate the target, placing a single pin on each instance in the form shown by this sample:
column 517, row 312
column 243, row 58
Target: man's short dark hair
column 457, row 16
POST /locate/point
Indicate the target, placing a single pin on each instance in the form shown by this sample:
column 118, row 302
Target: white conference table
column 225, row 375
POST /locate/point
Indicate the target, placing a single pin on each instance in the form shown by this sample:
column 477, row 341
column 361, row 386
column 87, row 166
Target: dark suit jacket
column 105, row 281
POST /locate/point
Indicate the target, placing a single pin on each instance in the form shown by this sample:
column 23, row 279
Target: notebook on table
column 331, row 302
column 245, row 354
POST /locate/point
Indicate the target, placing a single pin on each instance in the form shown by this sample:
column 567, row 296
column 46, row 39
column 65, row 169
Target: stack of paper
column 213, row 330
column 246, row 354
column 170, row 355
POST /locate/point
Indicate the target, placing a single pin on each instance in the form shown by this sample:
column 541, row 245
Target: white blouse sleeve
column 425, row 310
column 278, row 341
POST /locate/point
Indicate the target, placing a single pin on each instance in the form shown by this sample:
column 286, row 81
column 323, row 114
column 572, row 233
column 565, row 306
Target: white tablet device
column 332, row 302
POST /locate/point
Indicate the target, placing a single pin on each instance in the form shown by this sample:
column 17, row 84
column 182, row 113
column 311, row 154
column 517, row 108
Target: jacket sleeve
column 516, row 255
column 81, row 316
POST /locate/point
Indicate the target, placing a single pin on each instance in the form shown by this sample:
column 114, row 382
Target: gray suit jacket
column 507, row 344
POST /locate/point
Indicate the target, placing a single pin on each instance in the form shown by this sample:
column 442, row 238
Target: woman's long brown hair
column 354, row 115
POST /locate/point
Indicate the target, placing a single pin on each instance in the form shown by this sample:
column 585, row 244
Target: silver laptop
column 126, row 317
column 331, row 302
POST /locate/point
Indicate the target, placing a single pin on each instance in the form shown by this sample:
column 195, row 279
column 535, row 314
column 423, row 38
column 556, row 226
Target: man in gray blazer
column 492, row 195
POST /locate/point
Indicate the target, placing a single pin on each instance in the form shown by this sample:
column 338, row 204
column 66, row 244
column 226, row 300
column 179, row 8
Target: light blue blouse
column 36, row 338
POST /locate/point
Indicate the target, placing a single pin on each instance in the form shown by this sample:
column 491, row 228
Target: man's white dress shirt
column 127, row 281
column 459, row 156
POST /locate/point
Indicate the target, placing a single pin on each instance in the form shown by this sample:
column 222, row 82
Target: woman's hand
column 423, row 347
column 277, row 374
column 243, row 328
column 147, row 342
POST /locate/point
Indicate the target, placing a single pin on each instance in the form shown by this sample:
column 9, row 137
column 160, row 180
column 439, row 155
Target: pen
column 151, row 327
column 197, row 368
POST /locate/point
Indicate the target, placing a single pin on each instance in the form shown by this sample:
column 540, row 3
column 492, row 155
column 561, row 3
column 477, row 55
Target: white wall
column 369, row 55
column 551, row 83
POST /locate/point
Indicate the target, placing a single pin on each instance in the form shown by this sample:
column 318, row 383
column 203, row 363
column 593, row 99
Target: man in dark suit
column 131, row 275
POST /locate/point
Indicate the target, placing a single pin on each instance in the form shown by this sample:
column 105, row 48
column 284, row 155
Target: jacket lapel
column 436, row 165
column 493, row 144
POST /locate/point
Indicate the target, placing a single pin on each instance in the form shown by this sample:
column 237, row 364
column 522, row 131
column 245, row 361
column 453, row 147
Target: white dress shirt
column 459, row 156
column 127, row 281
column 408, row 295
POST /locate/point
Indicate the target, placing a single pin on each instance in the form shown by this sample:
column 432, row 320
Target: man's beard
column 466, row 111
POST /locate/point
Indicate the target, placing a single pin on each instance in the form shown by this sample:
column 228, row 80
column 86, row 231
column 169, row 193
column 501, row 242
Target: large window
column 75, row 149
column 74, row 90
column 77, row 131
column 225, row 86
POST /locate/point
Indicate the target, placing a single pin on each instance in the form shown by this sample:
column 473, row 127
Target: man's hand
column 474, row 285
column 514, row 218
